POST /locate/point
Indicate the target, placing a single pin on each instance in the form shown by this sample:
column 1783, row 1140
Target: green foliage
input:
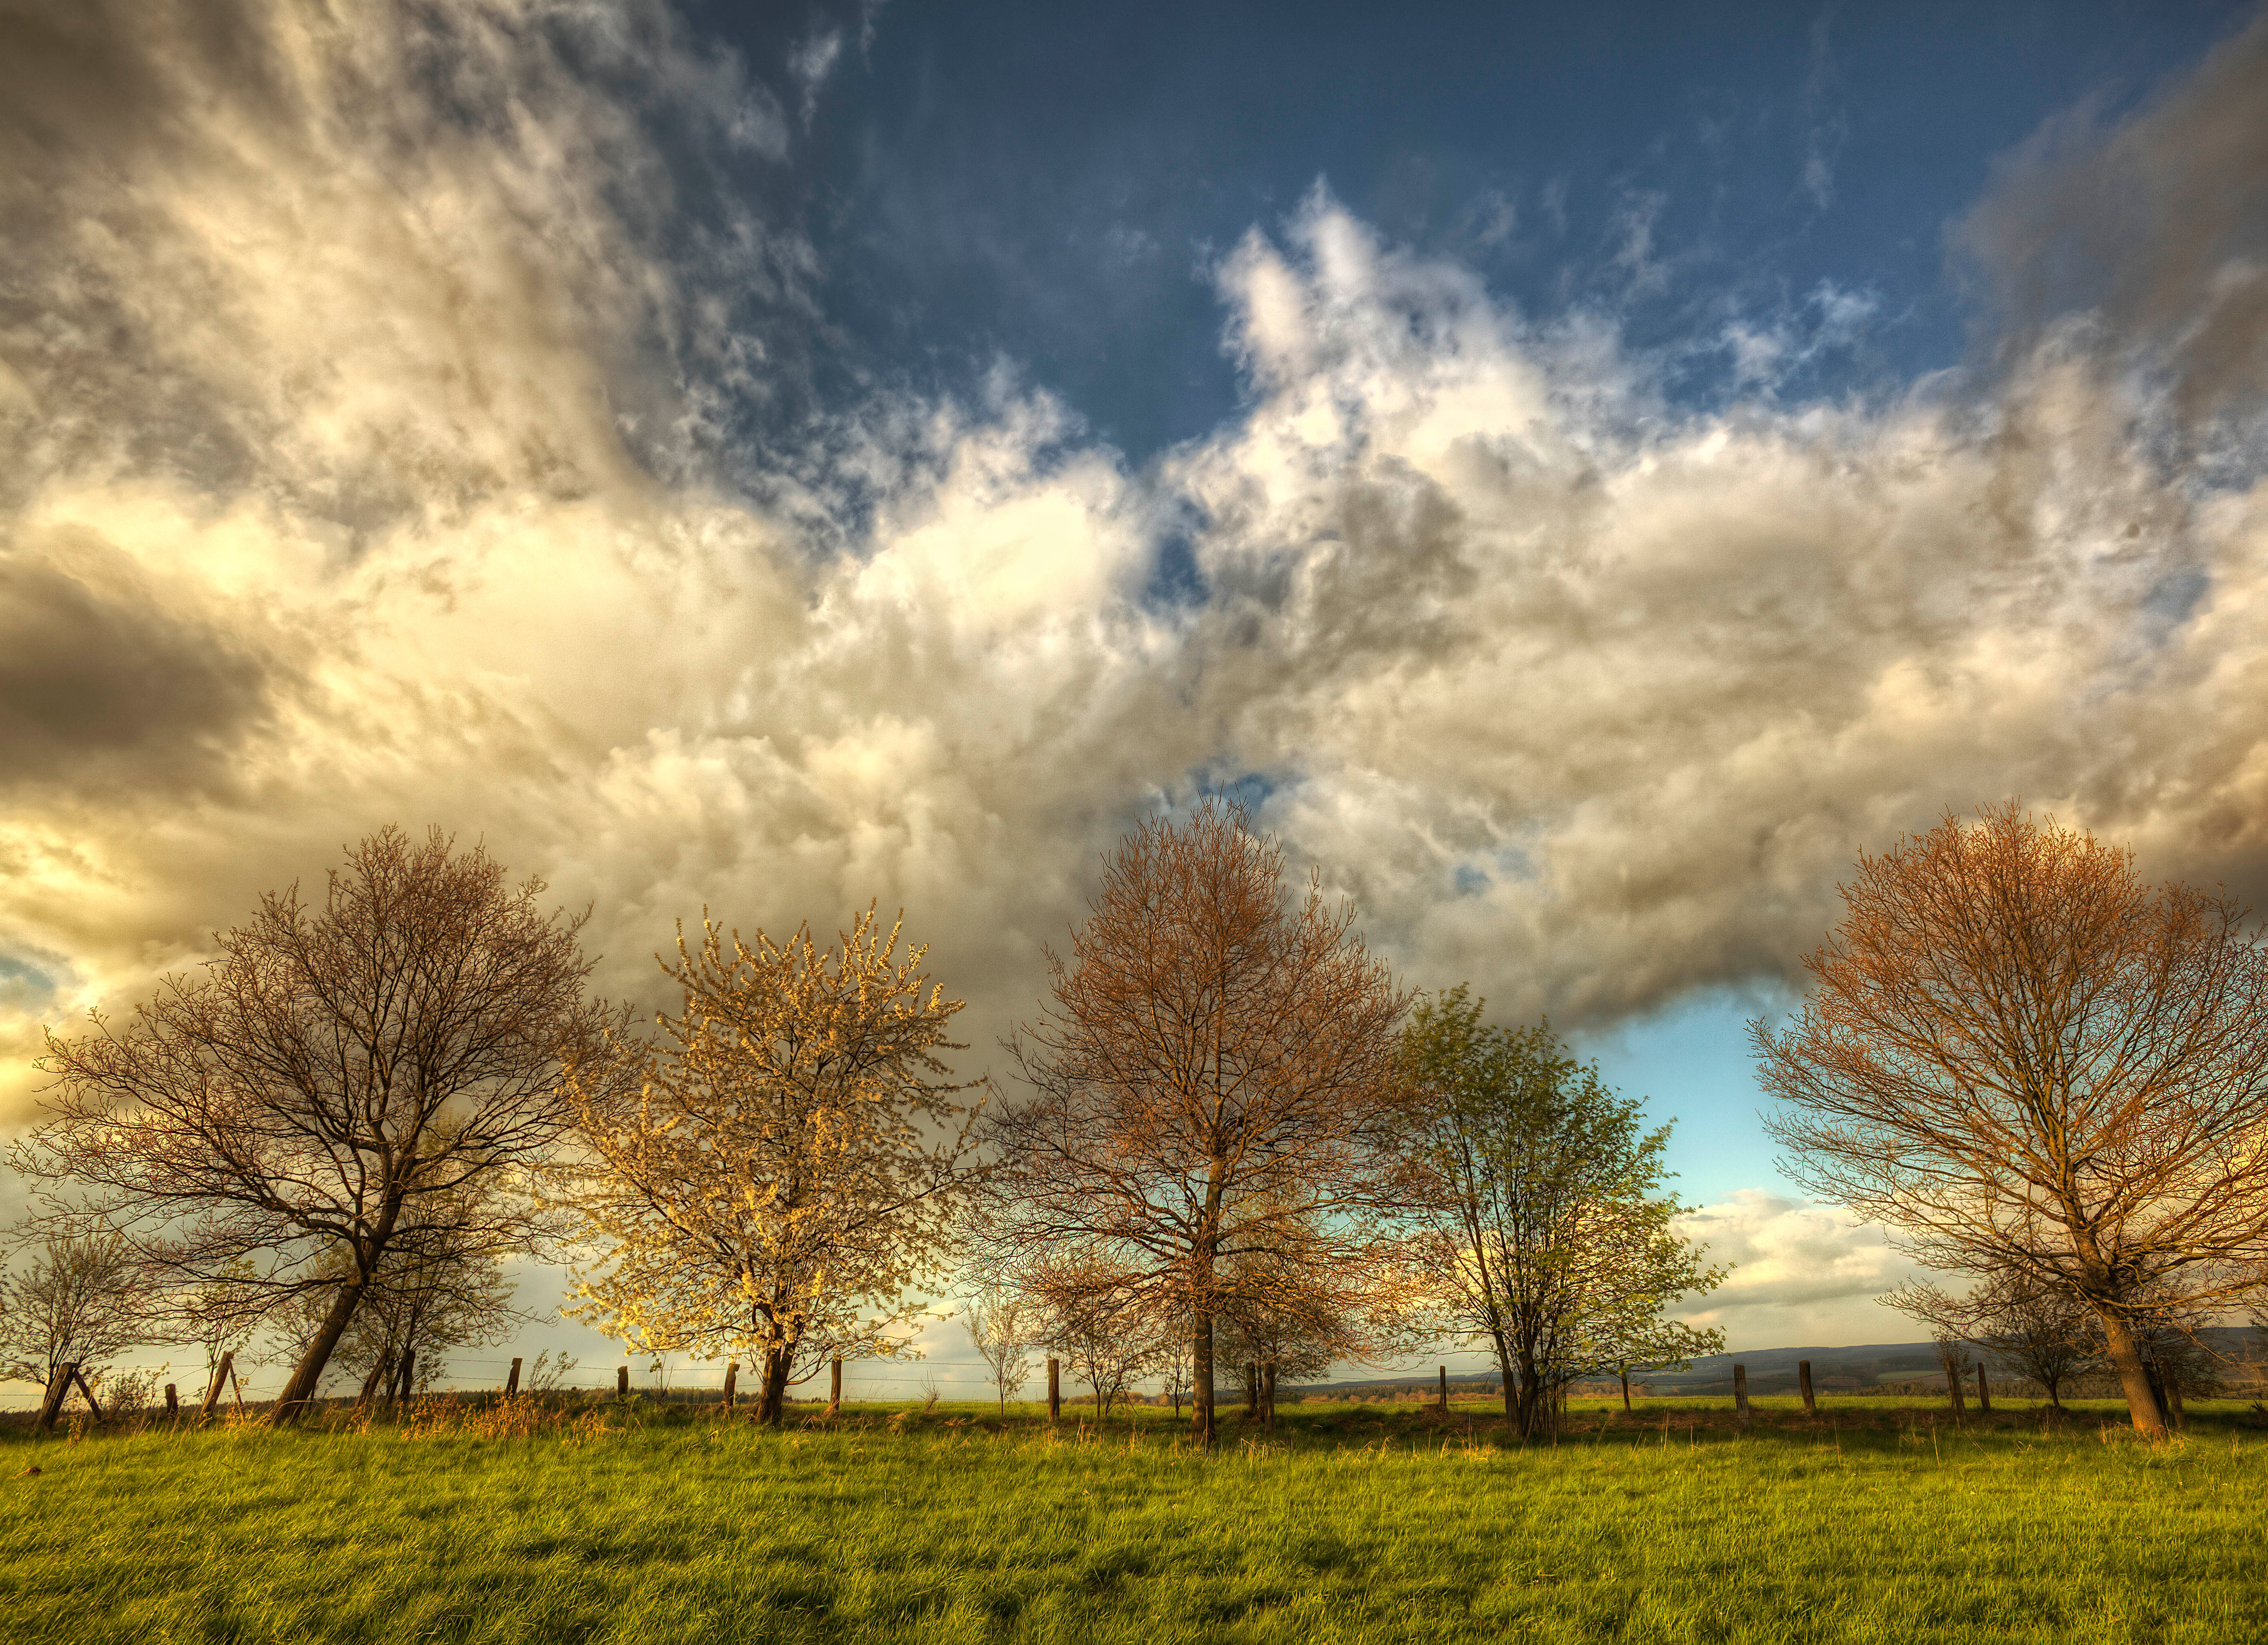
column 1369, row 1523
column 1548, row 1235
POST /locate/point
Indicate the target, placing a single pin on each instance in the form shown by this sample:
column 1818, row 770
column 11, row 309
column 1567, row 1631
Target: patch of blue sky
column 1690, row 1061
column 1756, row 198
column 28, row 986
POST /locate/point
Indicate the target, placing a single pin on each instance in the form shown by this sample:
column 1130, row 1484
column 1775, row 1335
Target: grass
column 1879, row 1522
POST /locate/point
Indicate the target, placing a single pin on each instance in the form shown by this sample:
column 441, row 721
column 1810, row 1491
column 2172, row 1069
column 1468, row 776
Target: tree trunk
column 1509, row 1381
column 1268, row 1396
column 771, row 1409
column 1625, row 1376
column 1527, row 1413
column 292, row 1404
column 370, row 1383
column 1201, row 1377
column 2126, row 1357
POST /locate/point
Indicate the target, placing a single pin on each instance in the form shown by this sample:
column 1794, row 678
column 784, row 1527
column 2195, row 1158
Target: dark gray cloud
column 104, row 681
column 2152, row 231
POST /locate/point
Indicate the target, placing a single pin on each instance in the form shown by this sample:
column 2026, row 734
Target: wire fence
column 862, row 1383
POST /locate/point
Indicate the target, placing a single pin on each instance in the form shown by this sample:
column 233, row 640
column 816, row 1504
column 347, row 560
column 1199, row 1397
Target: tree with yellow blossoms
column 781, row 1167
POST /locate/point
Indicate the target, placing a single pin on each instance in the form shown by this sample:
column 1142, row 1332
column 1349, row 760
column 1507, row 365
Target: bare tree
column 1277, row 1322
column 2030, row 1330
column 439, row 1287
column 74, row 1302
column 2025, row 1060
column 1107, row 1338
column 1546, row 1234
column 2176, row 1358
column 785, row 1165
column 1208, row 1081
column 266, row 1126
column 1003, row 1327
column 1174, row 1363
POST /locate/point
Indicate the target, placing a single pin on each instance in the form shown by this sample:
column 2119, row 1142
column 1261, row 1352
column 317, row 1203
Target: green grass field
column 1878, row 1522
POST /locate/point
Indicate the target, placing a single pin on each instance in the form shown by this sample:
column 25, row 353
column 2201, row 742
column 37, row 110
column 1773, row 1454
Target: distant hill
column 1770, row 1370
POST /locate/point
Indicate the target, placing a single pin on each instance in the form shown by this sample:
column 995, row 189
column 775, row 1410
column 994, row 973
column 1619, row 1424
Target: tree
column 1277, row 1323
column 766, row 1181
column 2029, row 1328
column 1107, row 1338
column 439, row 1288
column 2176, row 1357
column 267, row 1126
column 1543, row 1227
column 2025, row 1060
column 1001, row 1325
column 75, row 1304
column 1209, row 1079
column 1175, row 1362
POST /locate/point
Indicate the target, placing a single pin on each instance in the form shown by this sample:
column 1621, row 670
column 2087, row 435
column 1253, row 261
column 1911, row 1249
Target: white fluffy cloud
column 367, row 407
column 1802, row 1273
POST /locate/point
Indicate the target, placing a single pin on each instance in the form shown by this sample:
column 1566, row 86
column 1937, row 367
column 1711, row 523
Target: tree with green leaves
column 1543, row 1224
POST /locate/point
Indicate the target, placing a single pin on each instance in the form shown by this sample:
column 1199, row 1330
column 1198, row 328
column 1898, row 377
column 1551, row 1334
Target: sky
column 1584, row 473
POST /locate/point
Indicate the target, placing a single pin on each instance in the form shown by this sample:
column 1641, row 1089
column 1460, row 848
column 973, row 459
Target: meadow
column 1879, row 1520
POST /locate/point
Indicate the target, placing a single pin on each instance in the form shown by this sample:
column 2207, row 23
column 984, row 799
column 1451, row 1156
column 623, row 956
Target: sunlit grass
column 1880, row 1520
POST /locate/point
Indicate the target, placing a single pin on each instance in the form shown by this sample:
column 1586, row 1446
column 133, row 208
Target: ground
column 1877, row 1521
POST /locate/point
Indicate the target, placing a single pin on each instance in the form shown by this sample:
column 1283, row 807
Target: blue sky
column 1585, row 472
column 1051, row 186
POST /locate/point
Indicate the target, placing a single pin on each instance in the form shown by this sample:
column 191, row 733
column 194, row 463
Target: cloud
column 814, row 58
column 1801, row 1272
column 373, row 452
column 102, row 666
column 2151, row 232
column 1826, row 129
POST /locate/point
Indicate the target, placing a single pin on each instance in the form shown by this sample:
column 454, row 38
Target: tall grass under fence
column 570, row 1518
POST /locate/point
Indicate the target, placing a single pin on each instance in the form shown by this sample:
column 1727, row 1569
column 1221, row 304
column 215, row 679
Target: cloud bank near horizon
column 376, row 389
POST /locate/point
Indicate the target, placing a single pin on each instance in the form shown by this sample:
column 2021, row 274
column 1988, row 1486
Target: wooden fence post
column 173, row 1401
column 1741, row 1393
column 221, row 1373
column 1984, row 1388
column 511, row 1380
column 732, row 1381
column 621, row 1382
column 1803, row 1386
column 835, row 1387
column 58, row 1391
column 79, row 1377
column 1055, row 1390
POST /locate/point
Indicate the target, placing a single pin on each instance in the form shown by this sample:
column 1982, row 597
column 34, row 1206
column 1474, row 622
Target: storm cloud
column 376, row 402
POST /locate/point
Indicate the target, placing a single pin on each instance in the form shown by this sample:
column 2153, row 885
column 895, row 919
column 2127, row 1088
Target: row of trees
column 1234, row 1134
